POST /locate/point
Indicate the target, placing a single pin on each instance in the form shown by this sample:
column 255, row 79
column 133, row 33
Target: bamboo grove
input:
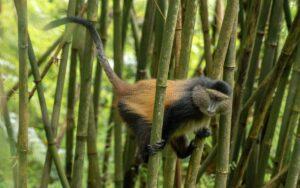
column 252, row 45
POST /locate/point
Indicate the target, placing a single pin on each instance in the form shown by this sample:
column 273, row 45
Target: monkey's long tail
column 114, row 79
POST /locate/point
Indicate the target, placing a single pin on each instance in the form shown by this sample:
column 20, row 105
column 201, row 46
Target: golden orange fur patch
column 139, row 98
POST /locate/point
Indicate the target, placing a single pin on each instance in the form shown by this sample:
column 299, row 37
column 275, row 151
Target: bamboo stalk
column 40, row 61
column 194, row 164
column 145, row 40
column 171, row 165
column 168, row 37
column 218, row 19
column 293, row 172
column 21, row 6
column 46, row 120
column 10, row 132
column 224, row 38
column 85, row 94
column 284, row 57
column 287, row 14
column 271, row 126
column 135, row 33
column 98, row 73
column 260, row 31
column 243, row 68
column 208, row 160
column 223, row 149
column 58, row 93
column 93, row 169
column 125, row 19
column 205, row 29
column 71, row 115
column 187, row 38
column 158, row 34
column 268, row 60
column 118, row 60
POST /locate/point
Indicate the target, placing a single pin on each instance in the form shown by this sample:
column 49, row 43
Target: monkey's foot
column 203, row 132
column 154, row 148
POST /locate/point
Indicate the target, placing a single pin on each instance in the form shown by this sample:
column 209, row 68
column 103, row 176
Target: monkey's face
column 211, row 102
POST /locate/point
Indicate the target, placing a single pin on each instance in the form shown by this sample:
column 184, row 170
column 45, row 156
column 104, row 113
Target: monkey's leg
column 182, row 147
column 142, row 133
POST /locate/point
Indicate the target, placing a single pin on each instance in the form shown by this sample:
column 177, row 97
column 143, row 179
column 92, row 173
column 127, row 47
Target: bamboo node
column 222, row 172
column 51, row 143
column 162, row 85
column 273, row 44
column 296, row 109
column 23, row 46
column 297, row 135
column 37, row 81
column 143, row 71
column 260, row 32
column 286, row 52
column 230, row 68
column 81, row 137
column 296, row 70
column 92, row 153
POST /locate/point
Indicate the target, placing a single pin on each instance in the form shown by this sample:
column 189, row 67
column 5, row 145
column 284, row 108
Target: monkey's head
column 211, row 101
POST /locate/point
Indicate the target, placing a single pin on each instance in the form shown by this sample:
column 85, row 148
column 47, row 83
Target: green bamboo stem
column 218, row 19
column 93, row 169
column 169, row 167
column 260, row 31
column 118, row 62
column 10, row 132
column 21, row 6
column 125, row 19
column 71, row 114
column 208, row 160
column 158, row 34
column 98, row 73
column 85, row 94
column 268, row 59
column 284, row 57
column 194, row 164
column 223, row 149
column 168, row 37
column 145, row 39
column 135, row 32
column 58, row 94
column 244, row 63
column 278, row 178
column 287, row 113
column 293, row 172
column 287, row 14
column 46, row 120
column 291, row 124
column 174, row 67
column 271, row 126
column 187, row 38
column 40, row 61
column 224, row 38
column 205, row 29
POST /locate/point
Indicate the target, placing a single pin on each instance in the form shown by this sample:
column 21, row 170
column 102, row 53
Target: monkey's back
column 139, row 98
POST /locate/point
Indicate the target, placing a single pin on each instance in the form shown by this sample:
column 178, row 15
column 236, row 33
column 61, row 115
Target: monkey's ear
column 222, row 87
column 215, row 94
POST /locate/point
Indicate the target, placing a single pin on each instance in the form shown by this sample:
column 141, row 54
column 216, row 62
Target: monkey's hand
column 203, row 132
column 154, row 148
